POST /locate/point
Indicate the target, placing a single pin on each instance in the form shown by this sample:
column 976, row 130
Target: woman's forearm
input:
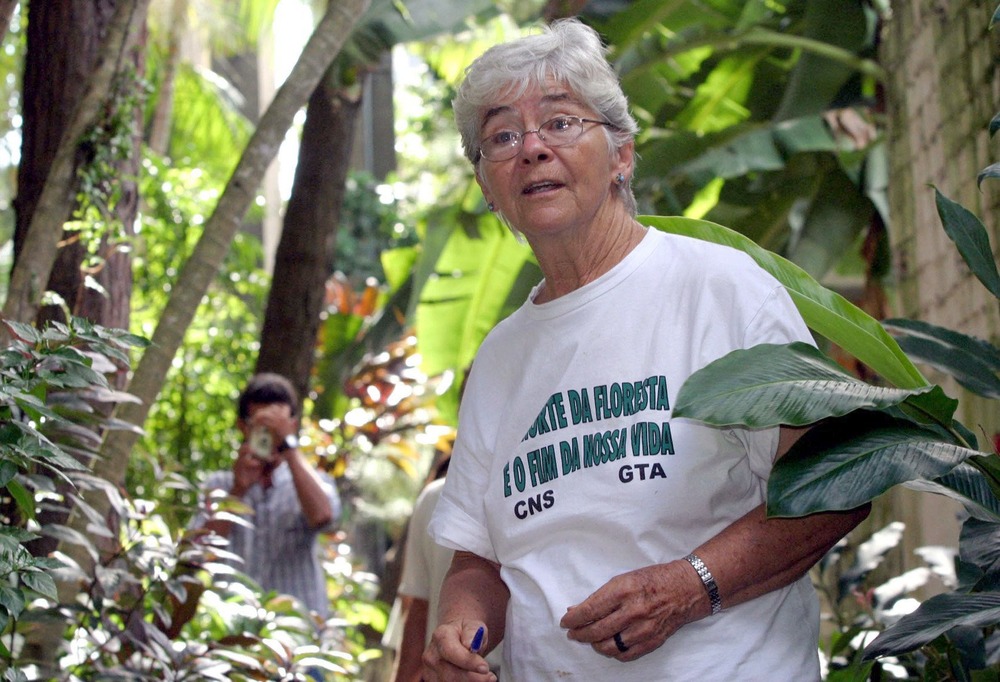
column 756, row 554
column 473, row 590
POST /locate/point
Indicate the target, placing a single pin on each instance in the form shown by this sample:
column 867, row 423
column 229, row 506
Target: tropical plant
column 868, row 438
column 136, row 615
column 54, row 400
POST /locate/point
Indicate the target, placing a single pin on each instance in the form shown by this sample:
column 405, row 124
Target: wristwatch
column 291, row 442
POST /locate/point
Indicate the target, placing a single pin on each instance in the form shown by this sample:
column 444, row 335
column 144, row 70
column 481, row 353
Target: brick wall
column 942, row 92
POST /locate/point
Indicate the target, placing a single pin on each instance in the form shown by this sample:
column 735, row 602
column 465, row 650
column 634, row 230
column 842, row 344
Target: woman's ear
column 625, row 163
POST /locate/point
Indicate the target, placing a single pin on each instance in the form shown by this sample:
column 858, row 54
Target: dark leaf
column 12, row 599
column 995, row 123
column 933, row 618
column 973, row 362
column 969, row 235
column 846, row 462
column 991, row 171
column 966, row 484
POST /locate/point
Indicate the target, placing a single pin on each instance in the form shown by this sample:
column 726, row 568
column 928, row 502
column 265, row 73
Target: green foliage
column 369, row 225
column 869, row 439
column 122, row 627
column 733, row 99
column 189, row 429
column 52, row 386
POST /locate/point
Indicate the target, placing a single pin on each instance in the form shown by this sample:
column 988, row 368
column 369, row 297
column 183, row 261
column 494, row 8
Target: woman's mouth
column 536, row 187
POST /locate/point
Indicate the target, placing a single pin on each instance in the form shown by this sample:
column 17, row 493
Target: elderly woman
column 596, row 537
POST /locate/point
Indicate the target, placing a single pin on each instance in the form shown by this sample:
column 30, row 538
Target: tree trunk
column 49, row 193
column 304, row 260
column 206, row 258
column 63, row 49
column 159, row 127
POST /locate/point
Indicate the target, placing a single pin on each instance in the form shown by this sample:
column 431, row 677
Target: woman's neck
column 570, row 264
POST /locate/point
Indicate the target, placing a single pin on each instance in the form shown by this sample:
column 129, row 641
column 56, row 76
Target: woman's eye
column 560, row 124
column 503, row 137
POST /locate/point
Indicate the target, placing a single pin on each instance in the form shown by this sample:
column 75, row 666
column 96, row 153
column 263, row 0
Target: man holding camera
column 290, row 502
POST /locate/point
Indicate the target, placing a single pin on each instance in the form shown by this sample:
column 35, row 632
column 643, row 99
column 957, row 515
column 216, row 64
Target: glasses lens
column 556, row 132
column 501, row 145
column 562, row 130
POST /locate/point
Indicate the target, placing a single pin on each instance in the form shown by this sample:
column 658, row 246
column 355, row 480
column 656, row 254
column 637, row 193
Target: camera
column 261, row 443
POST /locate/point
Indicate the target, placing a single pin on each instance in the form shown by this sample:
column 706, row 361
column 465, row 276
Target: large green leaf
column 835, row 218
column 969, row 235
column 817, row 78
column 935, row 617
column 770, row 384
column 826, row 312
column 965, row 484
column 849, row 461
column 973, row 362
column 467, row 293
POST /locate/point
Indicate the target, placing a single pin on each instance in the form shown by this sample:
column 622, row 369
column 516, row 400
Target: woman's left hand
column 640, row 608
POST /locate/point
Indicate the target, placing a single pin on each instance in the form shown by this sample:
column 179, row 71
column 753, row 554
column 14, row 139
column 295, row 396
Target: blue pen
column 477, row 641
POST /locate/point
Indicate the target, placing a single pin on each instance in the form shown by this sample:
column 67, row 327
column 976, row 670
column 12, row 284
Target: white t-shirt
column 568, row 469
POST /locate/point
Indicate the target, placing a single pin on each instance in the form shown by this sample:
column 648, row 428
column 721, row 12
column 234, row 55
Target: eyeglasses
column 556, row 132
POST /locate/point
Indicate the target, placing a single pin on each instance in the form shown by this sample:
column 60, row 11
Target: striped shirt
column 280, row 552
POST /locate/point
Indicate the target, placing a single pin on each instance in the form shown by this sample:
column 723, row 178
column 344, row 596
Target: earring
column 491, row 206
column 620, row 179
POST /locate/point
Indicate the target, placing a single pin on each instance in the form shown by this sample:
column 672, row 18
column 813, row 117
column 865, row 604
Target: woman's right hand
column 448, row 658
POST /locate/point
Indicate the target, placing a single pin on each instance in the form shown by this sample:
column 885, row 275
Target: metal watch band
column 707, row 580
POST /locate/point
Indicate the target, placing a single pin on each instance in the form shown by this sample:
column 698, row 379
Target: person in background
column 290, row 502
column 597, row 537
column 425, row 564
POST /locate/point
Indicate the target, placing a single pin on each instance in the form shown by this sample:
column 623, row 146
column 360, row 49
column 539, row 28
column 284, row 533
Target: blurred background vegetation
column 363, row 264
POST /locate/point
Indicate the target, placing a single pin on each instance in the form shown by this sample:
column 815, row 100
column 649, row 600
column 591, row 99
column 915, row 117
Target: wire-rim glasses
column 556, row 132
